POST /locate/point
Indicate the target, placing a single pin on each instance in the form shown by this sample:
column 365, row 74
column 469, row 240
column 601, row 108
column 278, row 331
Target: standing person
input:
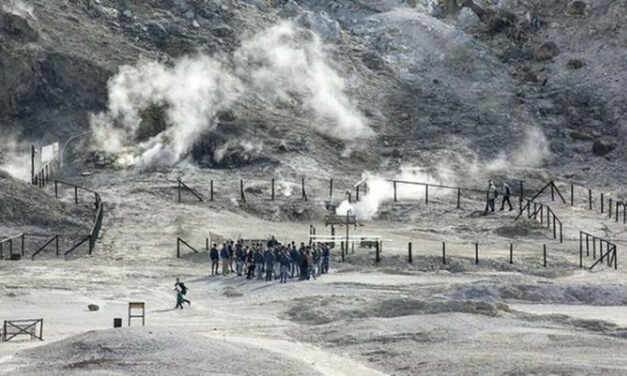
column 224, row 255
column 507, row 191
column 303, row 263
column 250, row 262
column 178, row 285
column 270, row 260
column 491, row 197
column 231, row 250
column 318, row 259
column 311, row 272
column 215, row 257
column 326, row 258
column 259, row 261
column 294, row 261
column 240, row 256
column 285, row 266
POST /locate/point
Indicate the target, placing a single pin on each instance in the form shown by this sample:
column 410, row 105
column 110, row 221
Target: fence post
column 23, row 237
column 342, row 247
column 331, row 188
column 56, row 189
column 541, row 214
column 511, row 253
column 554, row 228
column 544, row 253
column 624, row 212
column 427, row 194
column 241, row 189
column 444, row 253
column 57, row 245
column 303, row 189
column 409, row 255
column 617, row 211
column 572, row 194
column 594, row 248
column 580, row 250
column 378, row 253
column 609, row 211
column 178, row 247
column 32, row 164
column 179, row 188
column 211, row 190
column 561, row 236
column 207, row 244
column 476, row 253
column 602, row 203
column 459, row 194
column 272, row 184
column 552, row 192
column 522, row 193
column 91, row 244
column 590, row 199
column 75, row 194
column 395, row 196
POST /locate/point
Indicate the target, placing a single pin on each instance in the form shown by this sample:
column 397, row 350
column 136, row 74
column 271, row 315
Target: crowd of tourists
column 270, row 261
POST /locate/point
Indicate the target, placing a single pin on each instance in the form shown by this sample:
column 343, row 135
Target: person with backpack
column 214, row 255
column 181, row 292
column 507, row 192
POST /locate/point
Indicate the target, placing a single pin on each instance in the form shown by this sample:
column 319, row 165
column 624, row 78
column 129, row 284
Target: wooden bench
column 13, row 328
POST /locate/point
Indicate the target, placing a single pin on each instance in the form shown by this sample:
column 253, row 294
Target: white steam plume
column 284, row 63
column 15, row 158
column 192, row 91
column 287, row 63
column 532, row 152
column 18, row 8
column 381, row 190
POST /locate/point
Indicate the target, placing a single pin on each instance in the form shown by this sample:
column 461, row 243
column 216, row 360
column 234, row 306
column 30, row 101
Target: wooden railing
column 610, row 255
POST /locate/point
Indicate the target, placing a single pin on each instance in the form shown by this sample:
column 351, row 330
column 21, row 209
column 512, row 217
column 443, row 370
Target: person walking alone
column 181, row 293
column 507, row 191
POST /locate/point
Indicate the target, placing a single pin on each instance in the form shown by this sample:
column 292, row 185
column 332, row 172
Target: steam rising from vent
column 381, row 190
column 532, row 152
column 18, row 8
column 282, row 64
column 15, row 159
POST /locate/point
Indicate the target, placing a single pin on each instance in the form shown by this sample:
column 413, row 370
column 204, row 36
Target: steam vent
column 299, row 187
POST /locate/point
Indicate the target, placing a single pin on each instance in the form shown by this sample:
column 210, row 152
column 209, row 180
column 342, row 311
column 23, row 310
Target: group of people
column 272, row 261
column 493, row 194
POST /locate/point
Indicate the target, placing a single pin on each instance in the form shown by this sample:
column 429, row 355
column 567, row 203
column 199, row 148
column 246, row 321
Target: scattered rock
column 93, row 307
column 603, row 146
column 189, row 15
column 195, row 24
column 18, row 28
column 127, row 14
column 547, row 51
column 320, row 23
column 576, row 8
column 576, row 64
column 582, row 135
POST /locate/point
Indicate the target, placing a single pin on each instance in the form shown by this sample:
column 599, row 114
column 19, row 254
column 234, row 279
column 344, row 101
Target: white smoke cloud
column 15, row 158
column 282, row 64
column 532, row 152
column 18, row 8
column 381, row 190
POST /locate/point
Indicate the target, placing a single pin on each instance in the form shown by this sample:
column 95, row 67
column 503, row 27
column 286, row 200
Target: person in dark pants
column 326, row 257
column 214, row 255
column 259, row 261
column 295, row 261
column 303, row 263
column 285, row 266
column 270, row 260
column 507, row 191
column 250, row 262
column 180, row 287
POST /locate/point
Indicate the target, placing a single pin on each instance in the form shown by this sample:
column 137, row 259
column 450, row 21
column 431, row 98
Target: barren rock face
column 603, row 146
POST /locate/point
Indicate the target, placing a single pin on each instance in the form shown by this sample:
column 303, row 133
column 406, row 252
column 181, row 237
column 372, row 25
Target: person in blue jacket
column 270, row 260
column 285, row 266
column 214, row 255
column 224, row 255
column 259, row 261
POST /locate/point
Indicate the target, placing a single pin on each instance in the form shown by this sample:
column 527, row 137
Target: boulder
column 581, row 135
column 576, row 8
column 603, row 146
column 93, row 307
column 18, row 28
column 547, row 51
column 576, row 64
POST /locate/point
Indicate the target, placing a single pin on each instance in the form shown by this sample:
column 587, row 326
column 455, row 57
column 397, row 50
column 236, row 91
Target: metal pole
column 32, row 164
column 409, row 255
column 427, row 194
column 459, row 194
column 511, row 253
column 331, row 188
column 395, row 196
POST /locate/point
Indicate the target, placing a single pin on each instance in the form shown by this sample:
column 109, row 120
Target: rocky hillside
column 346, row 86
